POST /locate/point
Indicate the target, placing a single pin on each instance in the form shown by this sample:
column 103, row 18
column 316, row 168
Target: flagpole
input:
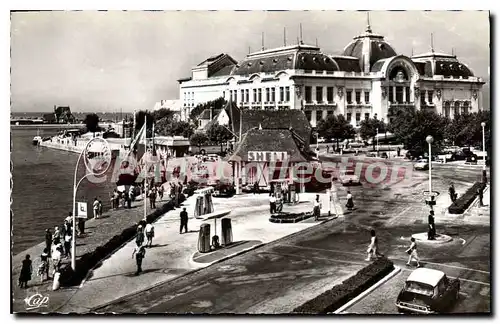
column 145, row 166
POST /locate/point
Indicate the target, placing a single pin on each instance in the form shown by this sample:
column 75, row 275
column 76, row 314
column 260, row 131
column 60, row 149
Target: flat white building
column 369, row 80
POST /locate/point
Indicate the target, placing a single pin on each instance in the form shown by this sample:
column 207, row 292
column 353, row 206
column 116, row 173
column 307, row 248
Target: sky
column 107, row 61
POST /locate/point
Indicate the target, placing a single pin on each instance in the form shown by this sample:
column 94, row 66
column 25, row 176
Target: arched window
column 465, row 108
column 457, row 108
column 447, row 109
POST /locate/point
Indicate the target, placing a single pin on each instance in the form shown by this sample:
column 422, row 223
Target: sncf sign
column 265, row 156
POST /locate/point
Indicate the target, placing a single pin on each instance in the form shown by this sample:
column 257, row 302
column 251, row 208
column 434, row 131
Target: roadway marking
column 358, row 253
column 314, row 257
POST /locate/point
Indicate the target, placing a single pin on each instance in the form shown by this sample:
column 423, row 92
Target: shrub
column 339, row 295
column 462, row 203
column 89, row 260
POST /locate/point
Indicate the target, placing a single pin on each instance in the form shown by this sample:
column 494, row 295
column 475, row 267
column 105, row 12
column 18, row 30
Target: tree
column 218, row 103
column 198, row 139
column 219, row 134
column 168, row 126
column 139, row 121
column 368, row 129
column 92, row 123
column 411, row 128
column 335, row 127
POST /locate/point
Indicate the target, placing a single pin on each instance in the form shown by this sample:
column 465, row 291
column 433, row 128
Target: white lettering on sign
column 267, row 156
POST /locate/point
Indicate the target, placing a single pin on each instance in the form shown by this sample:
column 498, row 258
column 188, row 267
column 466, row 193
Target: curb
column 94, row 309
column 369, row 290
column 191, row 259
column 476, row 200
column 446, row 239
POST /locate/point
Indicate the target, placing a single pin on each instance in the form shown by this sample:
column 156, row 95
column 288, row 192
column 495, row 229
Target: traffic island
column 289, row 217
column 338, row 296
column 439, row 238
column 225, row 252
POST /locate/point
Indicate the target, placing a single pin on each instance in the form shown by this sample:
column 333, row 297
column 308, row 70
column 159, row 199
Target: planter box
column 289, row 218
column 462, row 203
column 339, row 295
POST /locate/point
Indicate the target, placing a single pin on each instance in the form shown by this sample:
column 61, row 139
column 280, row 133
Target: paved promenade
column 98, row 232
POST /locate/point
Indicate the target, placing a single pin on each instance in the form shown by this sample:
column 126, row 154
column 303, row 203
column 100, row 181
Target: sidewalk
column 173, row 254
column 98, row 232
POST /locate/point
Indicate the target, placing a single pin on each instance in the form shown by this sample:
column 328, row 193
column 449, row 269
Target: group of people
column 126, row 198
column 155, row 192
column 373, row 250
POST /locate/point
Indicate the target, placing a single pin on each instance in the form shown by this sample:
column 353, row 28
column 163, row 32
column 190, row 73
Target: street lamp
column 429, row 139
column 377, row 142
column 94, row 168
column 483, row 124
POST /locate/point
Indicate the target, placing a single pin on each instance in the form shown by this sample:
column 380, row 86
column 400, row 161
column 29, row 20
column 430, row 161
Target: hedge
column 333, row 299
column 289, row 217
column 89, row 260
column 462, row 203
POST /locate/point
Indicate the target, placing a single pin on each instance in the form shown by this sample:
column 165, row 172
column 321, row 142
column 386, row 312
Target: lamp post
column 429, row 139
column 377, row 141
column 94, row 169
column 483, row 124
column 317, row 145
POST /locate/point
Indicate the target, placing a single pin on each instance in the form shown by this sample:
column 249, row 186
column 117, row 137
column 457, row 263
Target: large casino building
column 368, row 80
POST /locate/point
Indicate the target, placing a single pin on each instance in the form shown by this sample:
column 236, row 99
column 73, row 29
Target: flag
column 81, row 211
column 138, row 137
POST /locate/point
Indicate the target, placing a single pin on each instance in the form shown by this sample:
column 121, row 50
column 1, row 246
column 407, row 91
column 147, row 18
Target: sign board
column 81, row 211
column 267, row 156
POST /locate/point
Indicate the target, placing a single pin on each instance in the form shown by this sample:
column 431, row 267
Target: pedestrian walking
column 412, row 251
column 95, row 208
column 56, row 254
column 350, row 203
column 480, row 194
column 316, row 208
column 67, row 244
column 139, row 239
column 452, row 192
column 184, row 221
column 272, row 204
column 256, row 188
column 327, row 149
column 152, row 198
column 56, row 235
column 26, row 271
column 81, row 225
column 43, row 268
column 100, row 208
column 131, row 194
column 69, row 218
column 48, row 240
column 373, row 247
column 272, row 189
column 140, row 253
column 160, row 192
column 150, row 233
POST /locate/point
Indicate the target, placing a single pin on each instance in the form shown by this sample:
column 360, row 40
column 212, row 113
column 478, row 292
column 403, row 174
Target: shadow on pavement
column 215, row 255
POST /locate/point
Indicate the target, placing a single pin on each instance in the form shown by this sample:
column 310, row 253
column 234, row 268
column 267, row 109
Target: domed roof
column 373, row 44
column 302, row 57
column 443, row 64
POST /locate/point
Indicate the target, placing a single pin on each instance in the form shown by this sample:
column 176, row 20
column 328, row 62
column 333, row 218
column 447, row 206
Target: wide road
column 282, row 275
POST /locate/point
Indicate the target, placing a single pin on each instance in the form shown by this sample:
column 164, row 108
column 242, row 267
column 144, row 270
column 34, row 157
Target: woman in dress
column 412, row 251
column 43, row 269
column 26, row 271
column 350, row 203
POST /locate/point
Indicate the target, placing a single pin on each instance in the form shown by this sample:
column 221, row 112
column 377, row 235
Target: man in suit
column 184, row 221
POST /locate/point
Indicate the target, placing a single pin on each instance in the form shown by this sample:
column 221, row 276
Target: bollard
column 227, row 231
column 55, row 283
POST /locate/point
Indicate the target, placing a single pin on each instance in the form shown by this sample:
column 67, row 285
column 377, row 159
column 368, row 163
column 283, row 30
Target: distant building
column 173, row 105
column 368, row 80
column 63, row 115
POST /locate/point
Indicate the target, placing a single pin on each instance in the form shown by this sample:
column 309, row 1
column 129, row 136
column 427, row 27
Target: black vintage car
column 224, row 189
column 428, row 291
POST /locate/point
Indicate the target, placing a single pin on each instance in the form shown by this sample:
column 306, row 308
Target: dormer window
column 315, row 59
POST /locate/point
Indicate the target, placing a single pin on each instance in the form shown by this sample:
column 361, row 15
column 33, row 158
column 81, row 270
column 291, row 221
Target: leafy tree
column 412, row 127
column 218, row 103
column 91, row 122
column 199, row 139
column 219, row 134
column 368, row 129
column 169, row 126
column 139, row 121
column 335, row 127
column 162, row 113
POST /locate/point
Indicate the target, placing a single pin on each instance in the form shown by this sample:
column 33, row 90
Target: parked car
column 422, row 164
column 222, row 189
column 321, row 140
column 348, row 177
column 428, row 291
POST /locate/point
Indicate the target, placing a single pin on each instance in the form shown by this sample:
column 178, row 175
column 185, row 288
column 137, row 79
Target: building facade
column 368, row 80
